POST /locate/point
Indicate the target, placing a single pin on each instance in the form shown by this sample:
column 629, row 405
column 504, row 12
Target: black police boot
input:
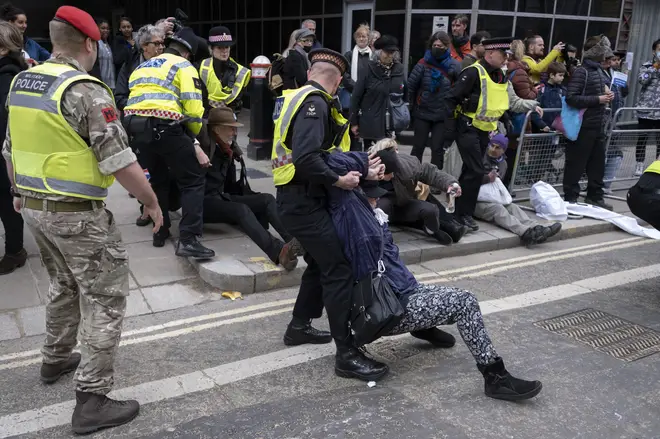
column 350, row 362
column 500, row 384
column 599, row 203
column 454, row 229
column 52, row 372
column 470, row 222
column 191, row 248
column 11, row 262
column 301, row 331
column 160, row 237
column 94, row 412
column 438, row 338
column 552, row 230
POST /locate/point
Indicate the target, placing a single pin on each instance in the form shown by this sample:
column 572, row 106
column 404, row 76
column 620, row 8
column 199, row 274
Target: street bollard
column 261, row 111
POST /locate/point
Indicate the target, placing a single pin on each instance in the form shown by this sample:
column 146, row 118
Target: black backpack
column 275, row 81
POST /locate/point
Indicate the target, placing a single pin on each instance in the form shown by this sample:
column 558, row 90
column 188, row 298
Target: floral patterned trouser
column 432, row 305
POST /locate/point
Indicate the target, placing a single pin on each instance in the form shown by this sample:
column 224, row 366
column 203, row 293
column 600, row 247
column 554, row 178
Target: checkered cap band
column 159, row 114
column 220, row 38
column 498, row 46
column 332, row 59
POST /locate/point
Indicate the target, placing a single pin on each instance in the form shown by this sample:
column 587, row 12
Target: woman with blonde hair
column 518, row 72
column 11, row 63
column 358, row 63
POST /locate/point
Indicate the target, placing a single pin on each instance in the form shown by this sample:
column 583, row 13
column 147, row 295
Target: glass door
column 355, row 15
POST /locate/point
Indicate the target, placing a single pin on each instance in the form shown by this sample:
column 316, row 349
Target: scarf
column 381, row 216
column 305, row 55
column 438, row 70
column 354, row 60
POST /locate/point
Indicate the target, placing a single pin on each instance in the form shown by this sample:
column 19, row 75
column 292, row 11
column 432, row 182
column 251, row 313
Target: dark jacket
column 428, row 85
column 363, row 64
column 121, row 52
column 35, row 50
column 490, row 164
column 361, row 235
column 550, row 97
column 9, row 67
column 410, row 172
column 371, row 97
column 122, row 91
column 586, row 85
column 522, row 84
column 294, row 71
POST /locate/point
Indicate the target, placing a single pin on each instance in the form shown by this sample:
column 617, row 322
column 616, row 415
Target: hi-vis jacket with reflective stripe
column 493, row 101
column 167, row 87
column 218, row 92
column 655, row 167
column 47, row 154
column 288, row 106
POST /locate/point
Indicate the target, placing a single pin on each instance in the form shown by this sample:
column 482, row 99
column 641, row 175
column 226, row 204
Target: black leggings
column 12, row 221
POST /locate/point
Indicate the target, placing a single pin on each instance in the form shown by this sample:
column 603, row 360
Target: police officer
column 308, row 124
column 164, row 114
column 480, row 97
column 64, row 145
column 644, row 197
column 225, row 79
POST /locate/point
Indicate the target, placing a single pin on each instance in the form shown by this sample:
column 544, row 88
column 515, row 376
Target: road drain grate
column 606, row 333
column 393, row 350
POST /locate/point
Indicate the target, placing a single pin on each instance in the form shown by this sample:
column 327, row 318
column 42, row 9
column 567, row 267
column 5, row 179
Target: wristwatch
column 12, row 191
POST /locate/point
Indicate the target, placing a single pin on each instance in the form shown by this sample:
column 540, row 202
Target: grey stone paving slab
column 8, row 327
column 136, row 304
column 227, row 274
column 19, row 290
column 155, row 266
column 32, row 320
column 269, row 276
column 166, row 297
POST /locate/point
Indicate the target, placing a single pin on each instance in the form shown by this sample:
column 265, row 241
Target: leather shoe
column 10, row 262
column 160, row 238
column 352, row 363
column 599, row 203
column 142, row 222
column 289, row 255
column 305, row 334
column 191, row 248
column 52, row 372
column 435, row 336
column 470, row 222
column 454, row 229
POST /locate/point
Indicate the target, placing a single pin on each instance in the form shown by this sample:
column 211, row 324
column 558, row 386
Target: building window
column 606, row 8
column 528, row 27
column 568, row 32
column 498, row 5
column 271, row 9
column 253, row 40
column 252, row 8
column 319, row 30
column 332, row 29
column 537, row 6
column 420, row 31
column 333, row 6
column 578, row 8
column 312, row 7
column 445, row 4
column 291, row 8
column 392, row 25
column 272, row 43
column 288, row 26
column 393, row 5
column 607, row 28
column 496, row 25
column 227, row 10
column 241, row 44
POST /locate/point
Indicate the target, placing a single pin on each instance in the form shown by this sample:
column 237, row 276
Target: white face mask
column 504, row 69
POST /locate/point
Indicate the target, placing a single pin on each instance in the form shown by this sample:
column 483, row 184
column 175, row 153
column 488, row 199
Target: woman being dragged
column 362, row 228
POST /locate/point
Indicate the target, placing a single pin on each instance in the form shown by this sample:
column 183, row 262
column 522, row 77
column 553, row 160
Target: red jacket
column 465, row 49
column 522, row 83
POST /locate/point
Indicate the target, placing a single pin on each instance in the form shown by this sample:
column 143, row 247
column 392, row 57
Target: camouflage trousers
column 88, row 269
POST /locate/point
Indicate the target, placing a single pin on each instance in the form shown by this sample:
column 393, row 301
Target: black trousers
column 11, row 221
column 416, row 213
column 472, row 144
column 252, row 213
column 586, row 153
column 171, row 149
column 328, row 279
column 645, row 204
column 646, row 124
column 422, row 129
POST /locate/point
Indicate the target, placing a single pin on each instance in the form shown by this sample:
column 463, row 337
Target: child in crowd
column 510, row 217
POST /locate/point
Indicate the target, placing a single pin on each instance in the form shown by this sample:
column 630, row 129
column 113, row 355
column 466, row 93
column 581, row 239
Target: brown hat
column 223, row 116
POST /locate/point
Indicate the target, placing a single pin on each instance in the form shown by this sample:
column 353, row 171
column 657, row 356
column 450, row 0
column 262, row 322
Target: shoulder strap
column 512, row 74
column 440, row 69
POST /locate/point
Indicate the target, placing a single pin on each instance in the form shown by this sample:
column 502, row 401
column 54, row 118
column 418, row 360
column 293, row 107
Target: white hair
column 310, row 21
column 383, row 144
column 147, row 33
column 396, row 56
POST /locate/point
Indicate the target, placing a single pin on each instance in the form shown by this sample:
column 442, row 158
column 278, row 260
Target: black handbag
column 375, row 308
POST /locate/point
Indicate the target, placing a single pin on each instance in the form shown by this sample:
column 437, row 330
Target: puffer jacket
column 583, row 91
column 430, row 104
column 411, row 172
column 649, row 96
column 519, row 77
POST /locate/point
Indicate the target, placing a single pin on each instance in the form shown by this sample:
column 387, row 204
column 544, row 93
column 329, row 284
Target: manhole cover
column 255, row 173
column 606, row 333
column 393, row 350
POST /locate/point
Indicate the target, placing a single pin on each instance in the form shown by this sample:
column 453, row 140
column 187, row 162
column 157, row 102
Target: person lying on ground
column 363, row 229
column 510, row 217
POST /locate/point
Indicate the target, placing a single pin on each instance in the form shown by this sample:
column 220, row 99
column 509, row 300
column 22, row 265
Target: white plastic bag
column 547, row 202
column 494, row 192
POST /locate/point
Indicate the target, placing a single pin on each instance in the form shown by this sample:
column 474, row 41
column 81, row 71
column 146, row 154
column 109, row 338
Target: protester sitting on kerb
column 362, row 228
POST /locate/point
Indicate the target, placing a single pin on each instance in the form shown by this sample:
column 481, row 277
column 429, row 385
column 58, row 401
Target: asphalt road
column 220, row 370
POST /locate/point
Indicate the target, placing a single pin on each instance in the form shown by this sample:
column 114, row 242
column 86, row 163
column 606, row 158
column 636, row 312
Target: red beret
column 79, row 19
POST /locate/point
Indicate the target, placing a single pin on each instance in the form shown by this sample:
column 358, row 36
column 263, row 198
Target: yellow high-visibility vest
column 47, row 154
column 218, row 92
column 655, row 167
column 493, row 101
column 288, row 106
column 167, row 87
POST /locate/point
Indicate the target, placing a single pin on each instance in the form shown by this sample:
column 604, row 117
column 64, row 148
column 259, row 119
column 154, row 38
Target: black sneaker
column 296, row 335
column 352, row 363
column 94, row 412
column 52, row 372
column 599, row 203
column 438, row 338
column 160, row 238
column 191, row 248
column 500, row 384
column 470, row 222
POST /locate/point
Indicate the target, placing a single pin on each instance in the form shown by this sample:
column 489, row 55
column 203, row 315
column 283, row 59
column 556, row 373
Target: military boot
column 52, row 372
column 94, row 412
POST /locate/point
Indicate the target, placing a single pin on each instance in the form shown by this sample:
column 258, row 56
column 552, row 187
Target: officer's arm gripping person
column 644, row 198
column 308, row 126
column 164, row 114
column 64, row 147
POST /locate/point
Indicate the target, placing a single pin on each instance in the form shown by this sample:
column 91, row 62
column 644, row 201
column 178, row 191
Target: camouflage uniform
column 82, row 251
column 649, row 96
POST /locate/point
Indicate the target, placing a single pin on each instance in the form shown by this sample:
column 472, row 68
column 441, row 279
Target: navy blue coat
column 430, row 104
column 360, row 233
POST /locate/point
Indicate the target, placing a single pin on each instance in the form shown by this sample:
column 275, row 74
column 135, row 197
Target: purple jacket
column 359, row 231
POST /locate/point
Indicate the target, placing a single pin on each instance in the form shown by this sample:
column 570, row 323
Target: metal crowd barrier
column 540, row 156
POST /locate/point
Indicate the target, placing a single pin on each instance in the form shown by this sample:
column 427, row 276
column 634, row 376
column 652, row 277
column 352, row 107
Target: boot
column 454, row 229
column 350, row 362
column 142, row 222
column 191, row 248
column 529, row 237
column 160, row 237
column 499, row 384
column 289, row 255
column 552, row 230
column 301, row 331
column 599, row 203
column 52, row 372
column 10, row 262
column 469, row 222
column 438, row 338
column 94, row 412
column 442, row 237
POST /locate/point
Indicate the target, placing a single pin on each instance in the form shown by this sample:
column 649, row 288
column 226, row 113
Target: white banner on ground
column 623, row 222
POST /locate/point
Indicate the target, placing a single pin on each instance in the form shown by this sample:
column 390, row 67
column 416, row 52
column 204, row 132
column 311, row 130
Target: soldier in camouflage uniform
column 78, row 239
